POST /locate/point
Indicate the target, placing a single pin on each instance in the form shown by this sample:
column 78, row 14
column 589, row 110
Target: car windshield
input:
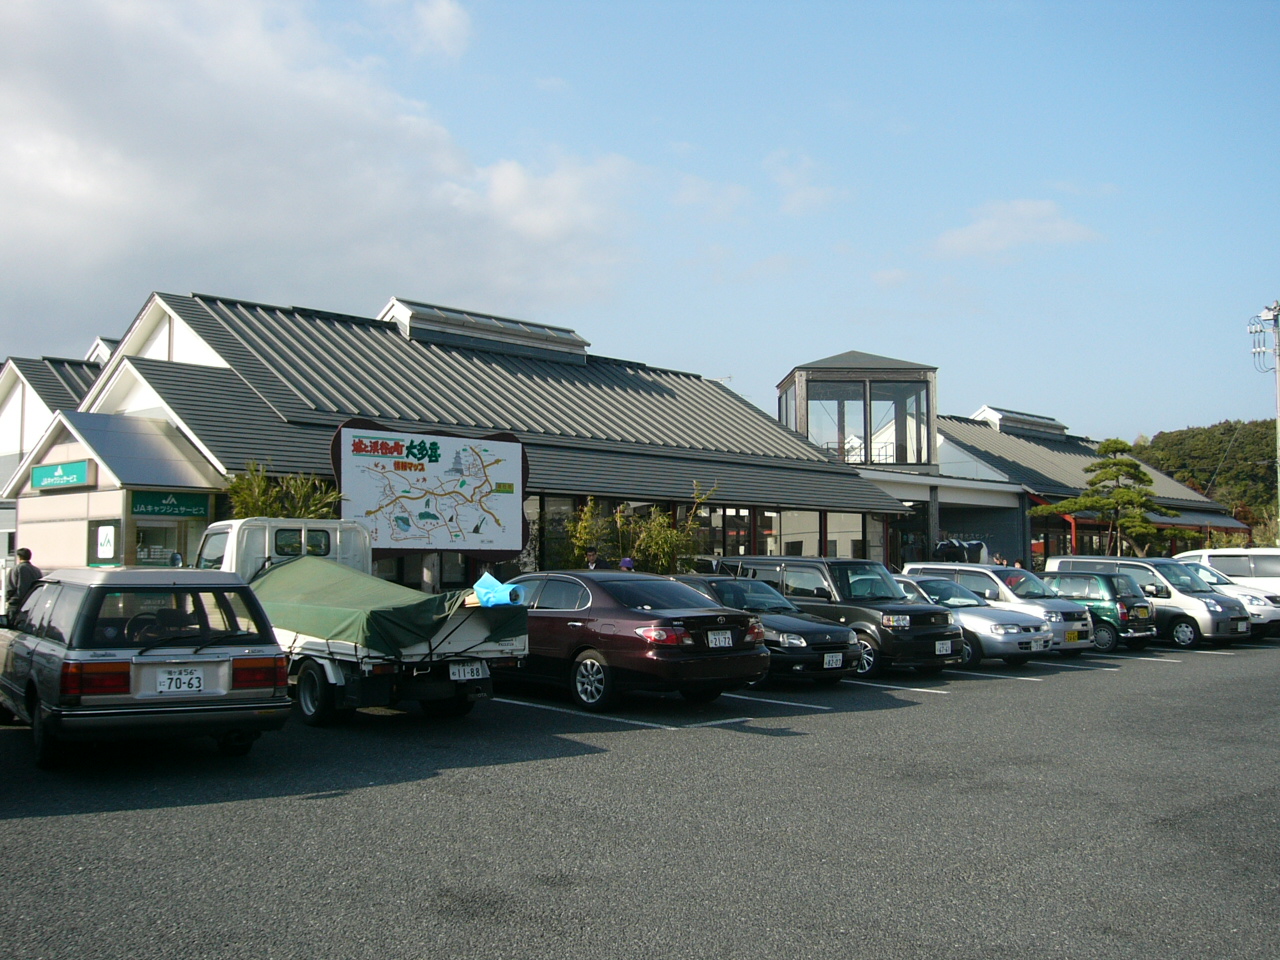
column 912, row 590
column 1183, row 578
column 754, row 596
column 655, row 594
column 1209, row 575
column 1024, row 583
column 951, row 594
column 865, row 581
column 170, row 617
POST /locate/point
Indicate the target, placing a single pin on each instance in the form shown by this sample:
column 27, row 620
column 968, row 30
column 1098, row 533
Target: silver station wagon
column 104, row 654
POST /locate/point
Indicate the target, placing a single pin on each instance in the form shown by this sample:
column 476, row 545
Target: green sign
column 149, row 503
column 49, row 476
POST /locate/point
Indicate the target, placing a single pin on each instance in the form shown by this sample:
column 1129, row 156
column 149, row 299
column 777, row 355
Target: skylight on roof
column 426, row 321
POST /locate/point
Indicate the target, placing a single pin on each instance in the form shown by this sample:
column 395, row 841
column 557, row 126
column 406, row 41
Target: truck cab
column 249, row 546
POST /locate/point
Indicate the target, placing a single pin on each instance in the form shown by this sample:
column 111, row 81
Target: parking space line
column 781, row 703
column 1215, row 653
column 995, row 676
column 584, row 713
column 1254, row 646
column 1077, row 666
column 1121, row 656
column 890, row 686
column 713, row 723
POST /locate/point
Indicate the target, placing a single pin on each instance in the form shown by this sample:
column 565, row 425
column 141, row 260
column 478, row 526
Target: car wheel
column 971, row 651
column 1184, row 633
column 456, row 706
column 49, row 749
column 315, row 695
column 236, row 744
column 1019, row 661
column 1105, row 638
column 868, row 656
column 592, row 687
column 701, row 694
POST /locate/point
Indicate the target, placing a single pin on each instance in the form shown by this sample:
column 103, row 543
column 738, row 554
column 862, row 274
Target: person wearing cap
column 626, row 563
column 593, row 560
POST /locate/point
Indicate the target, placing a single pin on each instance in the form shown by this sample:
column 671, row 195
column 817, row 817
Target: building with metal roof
column 239, row 382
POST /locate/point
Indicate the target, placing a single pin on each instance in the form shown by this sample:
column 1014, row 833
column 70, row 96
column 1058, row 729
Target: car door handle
column 575, row 623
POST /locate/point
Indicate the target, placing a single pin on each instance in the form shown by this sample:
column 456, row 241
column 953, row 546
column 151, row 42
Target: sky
column 1070, row 209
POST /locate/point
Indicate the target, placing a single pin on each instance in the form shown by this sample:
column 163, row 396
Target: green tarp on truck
column 324, row 599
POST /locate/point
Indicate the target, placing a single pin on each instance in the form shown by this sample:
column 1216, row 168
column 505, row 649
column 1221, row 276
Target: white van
column 249, row 546
column 1257, row 567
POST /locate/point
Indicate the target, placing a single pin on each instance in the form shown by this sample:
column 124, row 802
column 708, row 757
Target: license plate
column 1073, row 636
column 942, row 647
column 831, row 661
column 179, row 680
column 1039, row 645
column 719, row 638
column 467, row 670
column 1142, row 612
column 1241, row 627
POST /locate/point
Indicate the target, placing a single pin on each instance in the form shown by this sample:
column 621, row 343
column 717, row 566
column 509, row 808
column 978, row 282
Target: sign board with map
column 418, row 491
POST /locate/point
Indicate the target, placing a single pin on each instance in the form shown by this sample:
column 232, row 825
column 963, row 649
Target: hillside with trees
column 1234, row 462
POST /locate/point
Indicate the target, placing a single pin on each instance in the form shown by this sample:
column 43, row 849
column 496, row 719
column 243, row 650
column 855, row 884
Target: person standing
column 593, row 560
column 22, row 576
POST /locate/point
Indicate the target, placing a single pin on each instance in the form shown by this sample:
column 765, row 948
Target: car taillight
column 755, row 632
column 1124, row 611
column 96, row 678
column 250, row 672
column 669, row 636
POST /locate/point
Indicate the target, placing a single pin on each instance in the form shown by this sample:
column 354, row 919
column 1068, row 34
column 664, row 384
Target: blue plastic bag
column 492, row 592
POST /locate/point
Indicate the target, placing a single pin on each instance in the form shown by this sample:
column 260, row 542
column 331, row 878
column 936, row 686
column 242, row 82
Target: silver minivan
column 1257, row 567
column 1013, row 588
column 1187, row 609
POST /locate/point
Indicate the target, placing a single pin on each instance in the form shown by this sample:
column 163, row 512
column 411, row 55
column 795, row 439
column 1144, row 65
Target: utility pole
column 1265, row 328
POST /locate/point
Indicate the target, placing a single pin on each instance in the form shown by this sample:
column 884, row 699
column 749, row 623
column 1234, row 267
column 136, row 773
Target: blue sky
column 1069, row 208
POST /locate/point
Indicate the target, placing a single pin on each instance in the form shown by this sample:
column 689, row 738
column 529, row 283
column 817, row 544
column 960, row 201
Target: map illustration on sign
column 421, row 492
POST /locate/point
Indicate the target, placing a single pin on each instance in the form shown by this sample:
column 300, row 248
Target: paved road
column 1120, row 807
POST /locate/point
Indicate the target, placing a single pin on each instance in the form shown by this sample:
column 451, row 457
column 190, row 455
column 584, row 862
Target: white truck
column 355, row 640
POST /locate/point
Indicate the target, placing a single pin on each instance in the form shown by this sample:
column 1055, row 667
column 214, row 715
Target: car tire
column 592, row 686
column 701, row 694
column 456, row 706
column 971, row 651
column 1021, row 660
column 236, row 744
column 315, row 695
column 49, row 750
column 1184, row 633
column 869, row 664
column 1105, row 638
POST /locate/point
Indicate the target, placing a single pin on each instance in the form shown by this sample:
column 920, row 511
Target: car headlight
column 1000, row 629
column 1053, row 616
column 895, row 621
column 1253, row 601
column 790, row 640
column 1213, row 605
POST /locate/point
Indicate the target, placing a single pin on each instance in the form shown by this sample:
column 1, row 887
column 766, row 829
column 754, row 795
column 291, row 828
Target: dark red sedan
column 601, row 632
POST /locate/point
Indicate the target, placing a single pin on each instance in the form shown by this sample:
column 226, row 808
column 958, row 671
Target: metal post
column 1267, row 323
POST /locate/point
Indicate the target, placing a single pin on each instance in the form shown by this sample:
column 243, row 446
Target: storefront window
column 737, row 531
column 844, row 536
column 800, row 533
column 557, row 552
column 768, row 529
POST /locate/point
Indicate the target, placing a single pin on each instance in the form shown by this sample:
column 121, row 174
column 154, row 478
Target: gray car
column 1013, row 588
column 1009, row 635
column 103, row 654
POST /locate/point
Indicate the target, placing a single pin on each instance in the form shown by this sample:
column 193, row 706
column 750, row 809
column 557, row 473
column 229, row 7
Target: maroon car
column 601, row 632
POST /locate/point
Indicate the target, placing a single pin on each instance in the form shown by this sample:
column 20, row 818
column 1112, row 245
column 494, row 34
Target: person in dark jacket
column 22, row 576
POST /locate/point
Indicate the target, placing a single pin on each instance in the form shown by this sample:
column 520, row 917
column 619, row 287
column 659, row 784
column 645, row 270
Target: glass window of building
column 844, row 536
column 800, row 533
column 899, row 422
column 836, row 413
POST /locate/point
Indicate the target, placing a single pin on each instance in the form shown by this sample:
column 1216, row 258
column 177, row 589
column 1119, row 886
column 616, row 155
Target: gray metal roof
column 59, row 382
column 854, row 359
column 142, row 452
column 1052, row 467
column 599, row 426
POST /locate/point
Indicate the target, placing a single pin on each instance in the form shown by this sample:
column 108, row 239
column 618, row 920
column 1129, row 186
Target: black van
column 889, row 629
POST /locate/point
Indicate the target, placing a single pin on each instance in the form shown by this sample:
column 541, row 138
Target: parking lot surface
column 1123, row 806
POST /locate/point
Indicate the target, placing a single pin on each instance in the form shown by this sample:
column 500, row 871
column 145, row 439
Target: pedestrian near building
column 593, row 560
column 18, row 582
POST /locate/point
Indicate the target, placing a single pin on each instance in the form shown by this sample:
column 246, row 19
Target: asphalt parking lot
column 1123, row 806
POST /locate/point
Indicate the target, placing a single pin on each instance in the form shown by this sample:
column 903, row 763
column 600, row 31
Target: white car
column 1264, row 608
column 1010, row 635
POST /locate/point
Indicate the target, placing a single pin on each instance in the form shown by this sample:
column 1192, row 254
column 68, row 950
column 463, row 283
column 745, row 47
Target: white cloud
column 442, row 27
column 893, row 277
column 794, row 174
column 227, row 148
column 998, row 227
